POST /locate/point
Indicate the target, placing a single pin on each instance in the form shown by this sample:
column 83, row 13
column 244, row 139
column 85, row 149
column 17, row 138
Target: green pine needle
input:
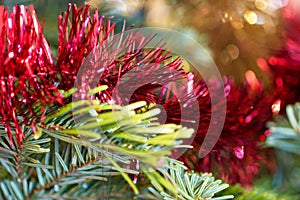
column 189, row 185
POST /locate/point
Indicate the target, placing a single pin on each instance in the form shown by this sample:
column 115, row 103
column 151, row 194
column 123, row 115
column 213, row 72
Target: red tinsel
column 285, row 64
column 237, row 154
column 26, row 72
column 78, row 33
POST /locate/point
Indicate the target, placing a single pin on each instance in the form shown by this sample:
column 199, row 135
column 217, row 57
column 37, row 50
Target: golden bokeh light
column 251, row 17
column 261, row 4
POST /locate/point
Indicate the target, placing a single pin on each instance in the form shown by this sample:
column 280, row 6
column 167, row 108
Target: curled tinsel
column 87, row 38
column 237, row 154
column 26, row 71
column 79, row 31
column 285, row 63
column 29, row 76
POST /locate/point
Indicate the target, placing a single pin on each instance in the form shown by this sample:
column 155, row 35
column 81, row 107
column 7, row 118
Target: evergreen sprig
column 87, row 158
column 285, row 139
column 285, row 132
column 190, row 185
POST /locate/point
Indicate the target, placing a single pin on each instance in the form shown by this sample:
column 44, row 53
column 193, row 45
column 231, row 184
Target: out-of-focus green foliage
column 285, row 139
column 262, row 190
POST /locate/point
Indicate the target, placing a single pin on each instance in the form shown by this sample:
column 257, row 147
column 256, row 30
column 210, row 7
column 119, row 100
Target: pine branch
column 64, row 158
column 285, row 132
column 122, row 130
column 51, row 183
column 285, row 139
column 189, row 185
column 42, row 175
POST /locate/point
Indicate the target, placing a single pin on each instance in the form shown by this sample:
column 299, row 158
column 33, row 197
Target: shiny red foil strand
column 238, row 153
column 79, row 32
column 26, row 70
column 29, row 74
column 151, row 68
column 285, row 63
column 88, row 32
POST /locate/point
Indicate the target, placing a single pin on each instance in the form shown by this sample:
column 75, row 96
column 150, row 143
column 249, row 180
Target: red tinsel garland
column 285, row 64
column 26, row 72
column 79, row 32
column 238, row 153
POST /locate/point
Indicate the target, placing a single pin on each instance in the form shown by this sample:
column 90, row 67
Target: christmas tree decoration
column 78, row 33
column 112, row 112
column 78, row 37
column 285, row 63
column 284, row 66
column 27, row 71
column 238, row 154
